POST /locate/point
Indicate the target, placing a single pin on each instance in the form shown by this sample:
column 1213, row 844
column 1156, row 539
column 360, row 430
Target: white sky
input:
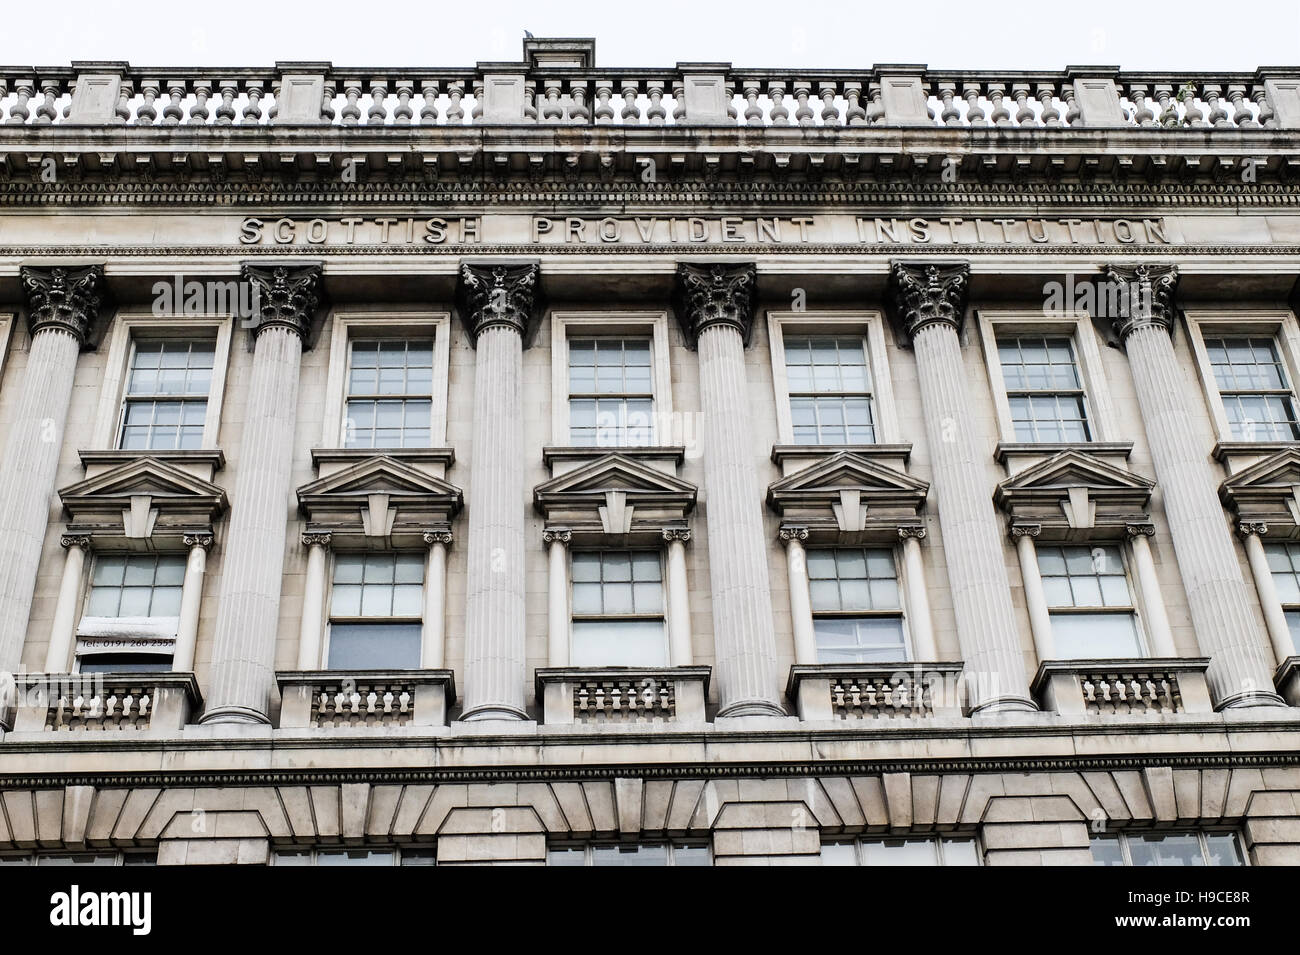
column 1038, row 34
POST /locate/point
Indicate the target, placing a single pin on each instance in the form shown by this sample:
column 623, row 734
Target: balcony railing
column 335, row 699
column 105, row 702
column 1150, row 687
column 580, row 94
column 865, row 691
column 623, row 694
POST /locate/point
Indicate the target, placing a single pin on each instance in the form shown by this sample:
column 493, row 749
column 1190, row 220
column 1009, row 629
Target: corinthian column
column 929, row 302
column 248, row 608
column 715, row 308
column 498, row 304
column 1218, row 599
column 63, row 306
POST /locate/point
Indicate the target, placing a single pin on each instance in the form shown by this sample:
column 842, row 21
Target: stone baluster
column 199, row 111
column 476, row 114
column 63, row 630
column 187, row 627
column 311, row 623
column 875, row 111
column 429, row 92
column 1217, row 597
column 403, row 113
column 1218, row 116
column 1192, row 115
column 377, row 115
column 498, row 304
column 1049, row 115
column 433, row 635
column 327, row 94
column 277, row 84
column 949, row 114
column 579, row 112
column 928, row 302
column 48, row 111
column 803, row 114
column 830, row 112
column 146, row 113
column 776, row 94
column 18, row 112
column 226, row 112
column 999, row 115
column 455, row 112
column 1267, row 116
column 557, row 540
column 656, row 114
column 552, row 109
column 1143, row 115
column 753, row 112
column 715, row 308
column 855, row 114
column 530, row 101
column 252, row 114
column 64, row 305
column 974, row 112
column 248, row 602
column 1025, row 115
column 1072, row 111
column 1168, row 105
column 122, row 111
column 1242, row 117
column 351, row 113
column 631, row 110
column 174, row 112
column 679, row 102
column 604, row 109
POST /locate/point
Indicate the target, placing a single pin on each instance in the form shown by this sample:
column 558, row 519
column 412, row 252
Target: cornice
column 654, row 770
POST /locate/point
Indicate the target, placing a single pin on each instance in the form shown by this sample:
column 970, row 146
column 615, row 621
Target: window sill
column 865, row 691
column 593, row 695
column 202, row 463
column 323, row 458
column 1140, row 686
column 568, row 456
column 804, row 454
column 1005, row 450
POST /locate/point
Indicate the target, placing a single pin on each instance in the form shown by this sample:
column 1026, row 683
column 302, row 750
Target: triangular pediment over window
column 615, row 495
column 380, row 500
column 1267, row 491
column 848, row 494
column 1075, row 491
column 141, row 499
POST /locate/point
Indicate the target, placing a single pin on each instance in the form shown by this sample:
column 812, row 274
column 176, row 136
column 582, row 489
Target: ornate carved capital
column 317, row 539
column 682, row 534
column 64, row 298
column 793, row 533
column 1140, row 529
column 504, row 294
column 921, row 295
column 1024, row 530
column 557, row 535
column 915, row 531
column 715, row 294
column 1136, row 297
column 438, row 536
column 75, row 540
column 1251, row 528
column 287, row 296
column 199, row 540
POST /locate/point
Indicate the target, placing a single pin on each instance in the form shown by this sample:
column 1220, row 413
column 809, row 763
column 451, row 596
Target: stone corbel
column 850, row 512
column 616, row 513
column 138, row 519
column 377, row 517
column 1079, row 509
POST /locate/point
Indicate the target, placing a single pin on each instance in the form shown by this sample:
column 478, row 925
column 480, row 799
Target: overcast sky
column 948, row 35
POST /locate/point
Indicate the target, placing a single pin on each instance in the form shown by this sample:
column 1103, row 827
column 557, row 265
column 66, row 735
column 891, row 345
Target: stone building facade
column 539, row 462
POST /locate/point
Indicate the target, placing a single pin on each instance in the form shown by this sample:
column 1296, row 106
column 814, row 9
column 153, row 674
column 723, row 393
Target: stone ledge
column 553, row 453
column 334, row 699
column 625, row 695
column 783, row 452
column 1114, row 687
column 875, row 691
column 105, row 702
column 1019, row 449
column 443, row 456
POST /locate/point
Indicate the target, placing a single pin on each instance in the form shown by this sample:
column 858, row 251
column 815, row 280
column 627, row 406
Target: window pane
column 374, row 646
column 566, row 856
column 1106, row 850
column 1165, row 849
column 627, row 643
column 839, row 853
column 899, row 852
column 629, row 855
column 1094, row 635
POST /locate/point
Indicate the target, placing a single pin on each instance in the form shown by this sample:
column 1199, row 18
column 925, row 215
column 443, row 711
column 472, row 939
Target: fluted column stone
column 1218, row 597
column 928, row 303
column 715, row 308
column 63, row 309
column 498, row 304
column 248, row 603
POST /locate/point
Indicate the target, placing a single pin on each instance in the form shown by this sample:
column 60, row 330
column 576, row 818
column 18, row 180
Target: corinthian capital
column 1138, row 296
column 64, row 297
column 715, row 295
column 926, row 294
column 286, row 296
column 499, row 294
